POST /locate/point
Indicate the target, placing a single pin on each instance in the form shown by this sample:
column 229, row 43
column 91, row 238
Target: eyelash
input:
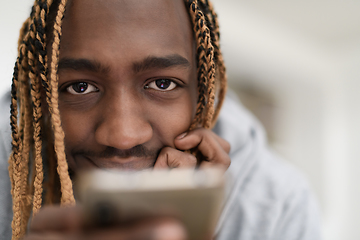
column 70, row 88
column 89, row 88
column 168, row 83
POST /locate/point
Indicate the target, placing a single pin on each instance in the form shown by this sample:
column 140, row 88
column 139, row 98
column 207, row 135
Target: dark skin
column 127, row 97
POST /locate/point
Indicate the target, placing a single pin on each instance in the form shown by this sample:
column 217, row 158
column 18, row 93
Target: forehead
column 126, row 28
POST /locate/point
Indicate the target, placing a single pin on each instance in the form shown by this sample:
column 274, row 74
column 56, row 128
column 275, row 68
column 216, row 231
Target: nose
column 123, row 123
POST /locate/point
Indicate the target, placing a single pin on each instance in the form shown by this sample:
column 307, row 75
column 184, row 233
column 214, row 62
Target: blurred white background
column 296, row 65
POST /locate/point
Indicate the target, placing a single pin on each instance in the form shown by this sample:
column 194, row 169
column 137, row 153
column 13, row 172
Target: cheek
column 76, row 128
column 170, row 121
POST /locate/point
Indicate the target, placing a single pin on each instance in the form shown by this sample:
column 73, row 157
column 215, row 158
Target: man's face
column 127, row 81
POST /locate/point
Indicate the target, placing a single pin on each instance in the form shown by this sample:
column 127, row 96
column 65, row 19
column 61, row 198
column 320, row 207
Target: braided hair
column 37, row 180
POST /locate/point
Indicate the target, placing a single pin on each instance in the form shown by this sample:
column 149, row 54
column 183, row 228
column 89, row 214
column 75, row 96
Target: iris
column 163, row 83
column 80, row 87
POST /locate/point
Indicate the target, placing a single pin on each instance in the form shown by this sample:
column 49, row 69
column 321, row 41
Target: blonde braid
column 24, row 128
column 209, row 57
column 25, row 71
column 206, row 67
column 67, row 197
column 198, row 25
column 32, row 61
column 210, row 60
column 219, row 60
column 18, row 167
column 15, row 156
column 51, row 158
column 40, row 41
column 22, row 205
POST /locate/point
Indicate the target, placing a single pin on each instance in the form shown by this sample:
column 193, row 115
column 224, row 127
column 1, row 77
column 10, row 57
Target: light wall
column 12, row 15
column 304, row 56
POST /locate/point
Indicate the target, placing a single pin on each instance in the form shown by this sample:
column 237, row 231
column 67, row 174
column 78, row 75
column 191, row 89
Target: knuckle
column 191, row 159
column 174, row 162
column 186, row 160
column 223, row 159
column 227, row 146
column 164, row 154
column 227, row 161
column 165, row 151
column 201, row 132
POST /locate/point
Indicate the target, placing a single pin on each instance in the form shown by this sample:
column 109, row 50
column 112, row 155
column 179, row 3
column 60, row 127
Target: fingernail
column 169, row 229
column 181, row 136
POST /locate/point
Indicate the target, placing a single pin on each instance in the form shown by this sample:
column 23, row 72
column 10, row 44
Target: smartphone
column 195, row 197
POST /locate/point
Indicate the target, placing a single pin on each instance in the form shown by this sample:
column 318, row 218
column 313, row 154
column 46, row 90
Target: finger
column 118, row 233
column 55, row 218
column 146, row 229
column 193, row 138
column 150, row 229
column 173, row 158
column 169, row 229
column 213, row 148
column 51, row 236
column 206, row 164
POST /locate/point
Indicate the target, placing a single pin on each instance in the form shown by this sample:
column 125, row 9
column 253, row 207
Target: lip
column 130, row 163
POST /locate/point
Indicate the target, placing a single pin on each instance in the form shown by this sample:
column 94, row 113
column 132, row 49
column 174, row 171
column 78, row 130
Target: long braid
column 67, row 197
column 18, row 166
column 215, row 35
column 15, row 157
column 202, row 67
column 26, row 139
column 52, row 176
column 209, row 57
column 40, row 43
column 212, row 58
column 27, row 130
column 24, row 70
column 32, row 62
column 25, row 134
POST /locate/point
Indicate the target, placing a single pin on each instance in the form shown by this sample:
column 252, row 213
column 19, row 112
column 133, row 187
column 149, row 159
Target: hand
column 56, row 223
column 214, row 151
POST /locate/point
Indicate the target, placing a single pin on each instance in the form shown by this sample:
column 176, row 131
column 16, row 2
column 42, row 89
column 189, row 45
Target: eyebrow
column 83, row 64
column 151, row 62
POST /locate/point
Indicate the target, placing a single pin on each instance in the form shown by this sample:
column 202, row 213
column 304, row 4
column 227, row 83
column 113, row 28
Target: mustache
column 110, row 152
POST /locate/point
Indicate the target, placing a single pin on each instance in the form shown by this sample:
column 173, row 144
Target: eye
column 81, row 88
column 162, row 85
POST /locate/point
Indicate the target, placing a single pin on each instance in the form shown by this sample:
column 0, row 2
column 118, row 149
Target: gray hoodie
column 266, row 198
